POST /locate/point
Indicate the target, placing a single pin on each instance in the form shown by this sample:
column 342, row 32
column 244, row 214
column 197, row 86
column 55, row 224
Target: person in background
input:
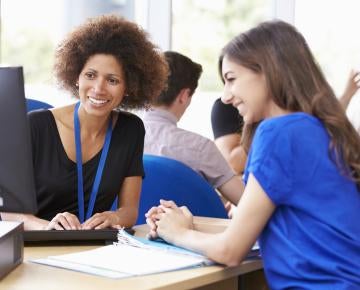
column 88, row 154
column 352, row 86
column 302, row 194
column 164, row 138
column 227, row 126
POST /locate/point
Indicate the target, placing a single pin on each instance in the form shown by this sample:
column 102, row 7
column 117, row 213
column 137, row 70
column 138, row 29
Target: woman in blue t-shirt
column 302, row 198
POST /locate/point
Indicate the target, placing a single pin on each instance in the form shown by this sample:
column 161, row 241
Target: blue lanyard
column 99, row 171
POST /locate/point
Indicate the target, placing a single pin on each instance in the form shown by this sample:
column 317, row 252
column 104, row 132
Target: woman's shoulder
column 129, row 118
column 59, row 112
column 64, row 115
column 290, row 122
column 294, row 126
column 129, row 124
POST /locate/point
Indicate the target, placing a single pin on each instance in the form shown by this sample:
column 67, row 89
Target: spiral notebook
column 130, row 256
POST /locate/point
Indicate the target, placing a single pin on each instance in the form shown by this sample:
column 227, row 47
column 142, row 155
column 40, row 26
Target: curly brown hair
column 145, row 68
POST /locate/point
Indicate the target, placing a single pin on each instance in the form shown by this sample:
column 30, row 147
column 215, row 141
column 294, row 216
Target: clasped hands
column 168, row 221
column 69, row 221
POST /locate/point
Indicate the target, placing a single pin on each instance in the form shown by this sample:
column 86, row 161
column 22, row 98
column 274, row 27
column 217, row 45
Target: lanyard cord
column 99, row 170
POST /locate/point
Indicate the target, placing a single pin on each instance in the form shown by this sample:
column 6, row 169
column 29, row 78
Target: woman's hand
column 151, row 219
column 106, row 219
column 173, row 221
column 64, row 221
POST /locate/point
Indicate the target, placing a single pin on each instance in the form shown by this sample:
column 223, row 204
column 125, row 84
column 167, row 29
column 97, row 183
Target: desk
column 30, row 276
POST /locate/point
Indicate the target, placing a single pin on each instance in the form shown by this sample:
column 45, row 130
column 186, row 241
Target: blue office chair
column 32, row 105
column 172, row 180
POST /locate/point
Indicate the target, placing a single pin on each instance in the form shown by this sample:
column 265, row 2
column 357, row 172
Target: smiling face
column 101, row 84
column 246, row 90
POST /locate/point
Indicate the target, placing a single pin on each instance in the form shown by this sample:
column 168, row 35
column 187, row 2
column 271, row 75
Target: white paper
column 130, row 260
column 82, row 268
column 128, row 257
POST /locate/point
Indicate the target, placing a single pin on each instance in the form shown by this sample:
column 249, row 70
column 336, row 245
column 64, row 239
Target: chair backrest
column 172, row 180
column 32, row 105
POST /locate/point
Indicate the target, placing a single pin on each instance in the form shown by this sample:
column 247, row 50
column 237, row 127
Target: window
column 334, row 40
column 200, row 29
column 31, row 30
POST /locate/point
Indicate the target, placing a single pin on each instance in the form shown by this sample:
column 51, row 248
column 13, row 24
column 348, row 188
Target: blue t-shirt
column 312, row 240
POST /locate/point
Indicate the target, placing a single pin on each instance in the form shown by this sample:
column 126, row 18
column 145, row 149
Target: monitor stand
column 11, row 246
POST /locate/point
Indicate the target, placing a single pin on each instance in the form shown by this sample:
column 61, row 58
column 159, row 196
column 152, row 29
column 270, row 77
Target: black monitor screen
column 17, row 189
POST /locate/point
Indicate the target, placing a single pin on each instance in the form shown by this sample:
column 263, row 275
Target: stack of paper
column 129, row 257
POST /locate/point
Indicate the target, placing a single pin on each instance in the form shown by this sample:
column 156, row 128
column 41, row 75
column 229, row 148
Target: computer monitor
column 17, row 187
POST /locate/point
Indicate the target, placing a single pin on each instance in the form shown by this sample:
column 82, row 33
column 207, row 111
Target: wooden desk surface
column 30, row 276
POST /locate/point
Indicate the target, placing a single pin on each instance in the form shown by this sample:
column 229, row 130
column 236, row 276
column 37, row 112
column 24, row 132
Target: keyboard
column 72, row 237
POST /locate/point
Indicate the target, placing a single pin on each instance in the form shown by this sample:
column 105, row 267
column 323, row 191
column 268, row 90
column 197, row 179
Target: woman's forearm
column 213, row 246
column 127, row 216
column 31, row 222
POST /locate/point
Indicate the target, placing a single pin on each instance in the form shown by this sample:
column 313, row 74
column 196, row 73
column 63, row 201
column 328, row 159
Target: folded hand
column 171, row 220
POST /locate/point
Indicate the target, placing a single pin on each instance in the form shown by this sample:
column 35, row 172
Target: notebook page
column 130, row 260
column 81, row 268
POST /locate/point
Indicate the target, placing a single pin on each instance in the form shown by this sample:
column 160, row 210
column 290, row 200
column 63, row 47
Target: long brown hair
column 295, row 83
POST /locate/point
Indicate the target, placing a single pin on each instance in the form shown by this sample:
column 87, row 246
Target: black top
column 225, row 119
column 56, row 174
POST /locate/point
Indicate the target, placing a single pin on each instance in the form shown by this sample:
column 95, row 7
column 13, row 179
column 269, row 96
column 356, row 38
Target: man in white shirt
column 164, row 138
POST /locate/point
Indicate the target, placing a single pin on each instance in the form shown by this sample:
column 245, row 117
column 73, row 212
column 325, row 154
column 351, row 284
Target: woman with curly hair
column 302, row 178
column 89, row 154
